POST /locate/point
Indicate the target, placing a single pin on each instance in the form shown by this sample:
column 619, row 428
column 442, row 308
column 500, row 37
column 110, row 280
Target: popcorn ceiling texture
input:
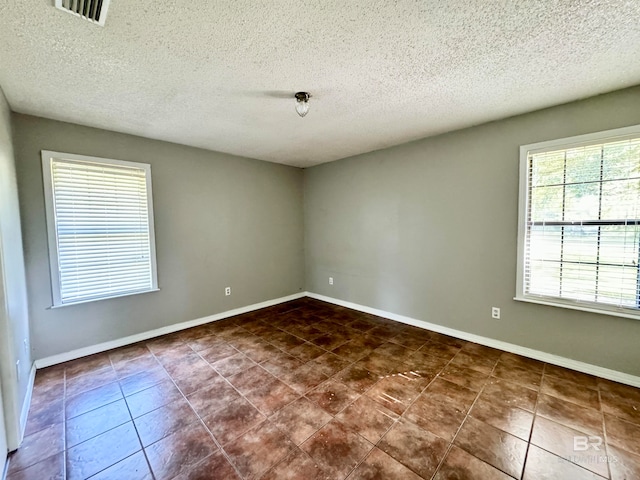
column 212, row 73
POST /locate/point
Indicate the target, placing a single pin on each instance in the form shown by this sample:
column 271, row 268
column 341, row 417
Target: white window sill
column 613, row 311
column 62, row 305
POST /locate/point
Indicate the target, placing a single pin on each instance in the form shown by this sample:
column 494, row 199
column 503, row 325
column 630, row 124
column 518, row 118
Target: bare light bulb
column 302, row 103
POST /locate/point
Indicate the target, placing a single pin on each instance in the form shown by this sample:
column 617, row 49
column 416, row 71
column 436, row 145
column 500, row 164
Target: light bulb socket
column 302, row 103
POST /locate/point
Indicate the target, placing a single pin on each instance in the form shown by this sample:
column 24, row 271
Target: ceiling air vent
column 93, row 10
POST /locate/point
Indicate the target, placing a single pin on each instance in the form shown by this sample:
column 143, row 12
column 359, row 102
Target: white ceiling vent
column 93, row 10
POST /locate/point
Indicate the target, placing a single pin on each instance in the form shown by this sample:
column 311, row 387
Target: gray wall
column 14, row 315
column 220, row 221
column 429, row 230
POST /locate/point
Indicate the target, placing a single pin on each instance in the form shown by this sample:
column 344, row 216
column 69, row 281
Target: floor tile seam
column 131, row 416
column 199, row 418
column 467, row 415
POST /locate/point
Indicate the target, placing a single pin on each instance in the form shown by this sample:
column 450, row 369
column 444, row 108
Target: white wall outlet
column 18, row 370
column 330, row 280
column 227, row 291
column 495, row 312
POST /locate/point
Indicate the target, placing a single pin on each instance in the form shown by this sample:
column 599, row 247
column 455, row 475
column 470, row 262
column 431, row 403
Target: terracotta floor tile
column 51, row 468
column 180, row 452
column 259, row 449
column 163, row 421
column 95, row 422
column 250, row 379
column 357, row 378
column 465, row 377
column 153, row 397
column 510, row 393
column 474, row 361
column 304, row 378
column 282, row 364
column 205, row 343
column 37, row 447
column 133, row 467
column 124, row 354
column 329, row 364
column 310, row 370
column 412, row 341
column 458, row 464
column 367, row 418
column 89, row 381
column 560, row 440
column 212, row 398
column 306, row 351
column 578, row 378
column 140, row 381
column 622, row 434
column 378, row 363
column 137, row 365
column 626, row 408
column 297, row 466
column 568, row 391
column 351, row 351
column 218, row 352
column 437, row 414
column 414, row 447
column 214, row 467
column 333, row 396
column 523, row 376
column 44, row 415
column 379, row 465
column 300, row 419
column 100, row 452
column 92, row 399
column 493, row 446
column 570, row 414
column 87, row 364
column 623, row 465
column 201, row 376
column 513, row 360
column 482, row 350
column 542, row 465
column 394, row 393
column 231, row 421
column 619, row 391
column 440, row 350
column 336, row 449
column 509, row 419
column 272, row 396
column 260, row 352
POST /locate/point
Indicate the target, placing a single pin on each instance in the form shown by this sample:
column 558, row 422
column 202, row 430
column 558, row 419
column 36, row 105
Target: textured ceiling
column 212, row 73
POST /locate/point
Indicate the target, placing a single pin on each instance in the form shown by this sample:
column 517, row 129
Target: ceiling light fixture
column 302, row 103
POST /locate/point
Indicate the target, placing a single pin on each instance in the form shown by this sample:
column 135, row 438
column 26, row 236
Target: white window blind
column 581, row 228
column 100, row 221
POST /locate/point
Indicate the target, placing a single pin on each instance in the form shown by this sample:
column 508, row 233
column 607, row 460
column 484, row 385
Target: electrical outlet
column 227, row 291
column 18, row 370
column 495, row 312
column 330, row 280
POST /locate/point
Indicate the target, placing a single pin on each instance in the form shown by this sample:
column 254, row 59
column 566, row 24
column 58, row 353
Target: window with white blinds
column 580, row 222
column 100, row 226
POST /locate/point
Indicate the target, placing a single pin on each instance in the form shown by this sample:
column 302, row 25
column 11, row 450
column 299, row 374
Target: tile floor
column 307, row 390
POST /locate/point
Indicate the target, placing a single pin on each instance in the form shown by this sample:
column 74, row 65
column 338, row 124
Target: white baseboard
column 24, row 413
column 490, row 342
column 121, row 342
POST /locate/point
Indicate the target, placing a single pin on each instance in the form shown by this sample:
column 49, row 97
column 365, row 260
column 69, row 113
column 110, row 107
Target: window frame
column 606, row 136
column 48, row 157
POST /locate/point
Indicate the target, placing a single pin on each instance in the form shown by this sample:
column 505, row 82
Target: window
column 100, row 227
column 579, row 230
